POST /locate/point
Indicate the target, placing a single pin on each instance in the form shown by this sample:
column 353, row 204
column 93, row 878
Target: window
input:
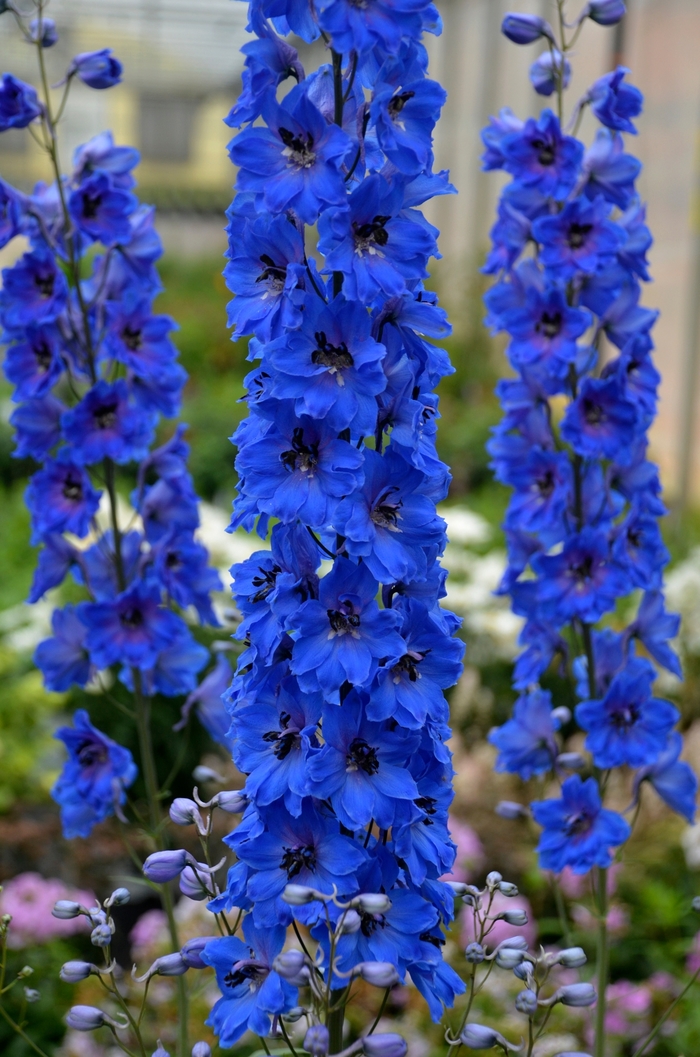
column 166, row 123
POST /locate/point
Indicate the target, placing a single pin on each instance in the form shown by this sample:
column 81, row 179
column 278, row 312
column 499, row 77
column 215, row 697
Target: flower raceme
column 93, row 370
column 582, row 521
column 338, row 713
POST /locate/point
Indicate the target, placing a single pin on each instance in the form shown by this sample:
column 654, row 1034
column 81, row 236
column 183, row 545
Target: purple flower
column 92, row 783
column 610, row 171
column 541, row 156
column 526, row 743
column 61, row 498
column 581, row 582
column 381, row 24
column 601, row 421
column 37, row 425
column 672, row 778
column 580, row 238
column 47, row 28
column 578, row 831
column 653, row 627
column 36, row 363
column 139, row 339
column 526, row 29
column 615, row 103
column 548, row 70
column 18, row 103
column 606, row 12
column 105, row 425
column 101, row 210
column 97, row 69
column 34, row 290
column 100, row 155
column 63, row 659
column 133, row 629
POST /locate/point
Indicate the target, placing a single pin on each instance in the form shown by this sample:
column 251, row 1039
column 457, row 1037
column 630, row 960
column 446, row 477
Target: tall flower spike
column 338, row 714
column 94, row 370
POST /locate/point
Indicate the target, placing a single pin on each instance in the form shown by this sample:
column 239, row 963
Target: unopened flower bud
column 508, row 957
column 232, row 801
column 572, row 957
column 294, row 1014
column 479, row 1037
column 526, row 29
column 317, row 1040
column 47, row 27
column 65, row 909
column 160, row 1051
column 526, row 1002
column 293, row 967
column 606, row 12
column 510, row 809
column 459, row 888
column 570, row 1053
column 164, row 866
column 386, row 1045
column 378, row 974
column 523, row 971
column 373, row 903
column 25, row 971
column 195, row 881
column 85, row 1018
column 7, row 918
column 475, row 953
column 184, row 812
column 119, row 898
column 696, row 904
column 576, row 995
column 515, row 943
column 513, row 917
column 348, row 923
column 101, row 936
column 201, row 1049
column 169, row 965
column 31, row 994
column 562, row 714
column 507, row 888
column 191, row 952
column 206, row 774
column 571, row 761
column 493, row 879
column 298, row 895
column 74, row 972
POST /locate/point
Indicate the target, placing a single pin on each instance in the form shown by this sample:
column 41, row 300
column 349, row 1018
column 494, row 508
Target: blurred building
column 182, row 73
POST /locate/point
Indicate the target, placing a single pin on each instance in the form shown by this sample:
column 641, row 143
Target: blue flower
column 581, row 581
column 403, row 112
column 91, row 786
column 61, row 498
column 494, row 135
column 33, row 291
column 207, row 698
column 628, row 726
column 653, row 627
column 181, row 567
column 580, row 238
column 544, row 488
column 609, row 170
column 373, row 243
column 526, row 743
column 330, row 366
column 100, row 155
column 169, row 505
column 548, row 71
column 541, row 156
column 615, row 103
column 361, row 768
column 105, row 425
column 297, row 468
column 640, row 548
column 610, row 652
column 606, row 12
column 97, row 69
column 37, row 425
column 601, row 421
column 63, row 659
column 381, row 24
column 294, row 162
column 673, row 779
column 394, row 936
column 252, row 993
column 268, row 62
column 138, row 339
column 133, row 629
column 101, row 210
column 18, row 103
column 36, row 363
column 577, row 830
column 526, row 29
column 342, row 635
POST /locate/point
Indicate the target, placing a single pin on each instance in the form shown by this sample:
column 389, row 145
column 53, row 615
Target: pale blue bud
column 514, row 917
column 606, row 12
column 85, row 1018
column 191, row 951
column 201, row 1049
column 572, row 957
column 526, row 1002
column 479, row 1037
column 66, row 909
column 475, row 953
column 378, row 974
column 510, row 810
column 183, row 812
column 526, row 29
column 373, row 903
column 233, row 801
column 507, row 888
column 387, row 1045
column 119, row 897
column 73, row 972
column 576, row 995
column 164, row 866
column 508, row 957
column 101, row 936
column 317, row 1040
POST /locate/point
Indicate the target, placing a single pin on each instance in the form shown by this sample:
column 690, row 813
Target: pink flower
column 29, row 898
column 501, row 931
column 577, row 886
column 148, row 933
column 470, row 852
column 692, row 962
column 628, row 1004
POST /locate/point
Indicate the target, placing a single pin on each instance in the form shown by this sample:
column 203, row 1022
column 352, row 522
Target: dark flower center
column 131, row 618
column 583, row 570
column 362, row 757
column 344, row 619
column 578, row 824
column 386, row 513
column 371, row 234
column 239, row 975
column 299, row 151
column 43, row 357
column 546, row 153
column 283, row 740
column 545, row 484
column 371, row 922
column 73, row 488
column 265, row 582
column 106, row 416
column 91, row 205
column 132, row 338
column 91, row 752
column 398, row 102
column 295, row 860
column 549, row 325
column 427, row 804
column 172, row 560
column 300, row 456
column 428, row 937
column 593, row 413
column 274, row 272
column 334, row 357
column 625, row 717
column 45, row 283
column 578, row 234
column 408, row 664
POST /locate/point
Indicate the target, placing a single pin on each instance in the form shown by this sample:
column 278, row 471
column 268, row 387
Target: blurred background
column 181, row 75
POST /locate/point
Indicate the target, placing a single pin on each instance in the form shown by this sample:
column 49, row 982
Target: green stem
column 381, row 1010
column 660, row 1023
column 20, row 1031
column 335, row 1023
column 602, row 967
